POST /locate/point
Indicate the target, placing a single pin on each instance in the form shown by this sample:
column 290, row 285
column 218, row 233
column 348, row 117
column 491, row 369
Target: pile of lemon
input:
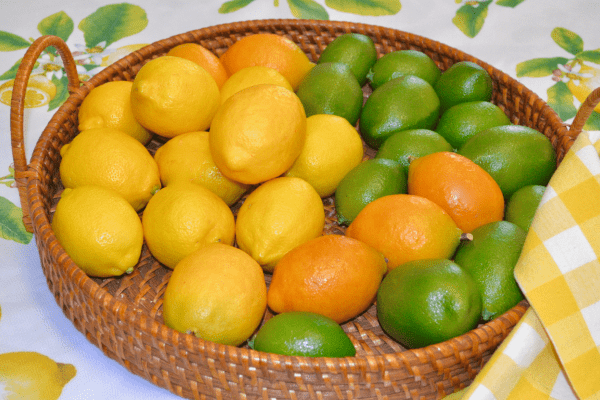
column 266, row 132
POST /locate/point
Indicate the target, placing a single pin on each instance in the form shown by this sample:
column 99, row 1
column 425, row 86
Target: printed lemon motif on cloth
column 554, row 350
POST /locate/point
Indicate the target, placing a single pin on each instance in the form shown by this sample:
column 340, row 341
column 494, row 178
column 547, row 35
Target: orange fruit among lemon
column 462, row 188
column 269, row 50
column 258, row 133
column 406, row 227
column 332, row 275
column 204, row 58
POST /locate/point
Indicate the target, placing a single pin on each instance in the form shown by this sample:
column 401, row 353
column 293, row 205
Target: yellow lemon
column 258, row 133
column 183, row 217
column 187, row 157
column 217, row 293
column 251, row 76
column 278, row 216
column 109, row 106
column 172, row 95
column 582, row 87
column 40, row 90
column 99, row 230
column 110, row 158
column 32, row 376
column 332, row 148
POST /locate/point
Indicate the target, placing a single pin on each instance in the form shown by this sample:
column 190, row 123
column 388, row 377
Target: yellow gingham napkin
column 554, row 350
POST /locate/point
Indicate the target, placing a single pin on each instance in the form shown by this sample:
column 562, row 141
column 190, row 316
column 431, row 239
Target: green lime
column 462, row 82
column 405, row 146
column 331, row 88
column 460, row 122
column 523, row 204
column 406, row 102
column 514, row 155
column 403, row 62
column 427, row 301
column 366, row 182
column 490, row 258
column 299, row 333
column 353, row 49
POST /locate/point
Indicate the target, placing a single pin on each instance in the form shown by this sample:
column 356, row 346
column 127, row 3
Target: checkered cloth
column 554, row 351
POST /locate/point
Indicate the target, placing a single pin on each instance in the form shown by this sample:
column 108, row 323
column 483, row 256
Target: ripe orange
column 204, row 58
column 462, row 188
column 332, row 275
column 268, row 50
column 405, row 227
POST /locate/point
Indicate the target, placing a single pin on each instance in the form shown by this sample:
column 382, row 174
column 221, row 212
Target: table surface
column 536, row 42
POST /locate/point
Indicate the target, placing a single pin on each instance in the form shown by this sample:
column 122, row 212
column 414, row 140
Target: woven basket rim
column 137, row 320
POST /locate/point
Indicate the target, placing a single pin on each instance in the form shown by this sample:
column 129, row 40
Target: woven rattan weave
column 122, row 316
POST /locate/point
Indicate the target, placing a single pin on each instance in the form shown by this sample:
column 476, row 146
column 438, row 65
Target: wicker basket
column 123, row 317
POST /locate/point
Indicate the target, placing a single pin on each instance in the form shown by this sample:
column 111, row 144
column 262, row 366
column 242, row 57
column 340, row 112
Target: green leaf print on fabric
column 12, row 72
column 12, row 42
column 233, row 5
column 590, row 55
column 62, row 92
column 560, row 99
column 308, row 9
column 59, row 24
column 593, row 122
column 11, row 223
column 111, row 23
column 470, row 17
column 540, row 67
column 575, row 77
column 509, row 3
column 570, row 41
column 366, row 7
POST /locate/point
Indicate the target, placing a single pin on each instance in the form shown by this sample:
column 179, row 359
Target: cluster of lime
column 264, row 131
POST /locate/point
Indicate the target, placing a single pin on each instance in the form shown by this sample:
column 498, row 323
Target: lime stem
column 466, row 237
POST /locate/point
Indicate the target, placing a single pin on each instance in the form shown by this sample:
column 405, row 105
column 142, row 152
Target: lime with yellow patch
column 406, row 102
column 331, row 88
column 403, row 62
column 355, row 50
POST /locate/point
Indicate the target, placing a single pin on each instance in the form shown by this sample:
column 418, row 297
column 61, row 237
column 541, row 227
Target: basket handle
column 584, row 112
column 18, row 105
